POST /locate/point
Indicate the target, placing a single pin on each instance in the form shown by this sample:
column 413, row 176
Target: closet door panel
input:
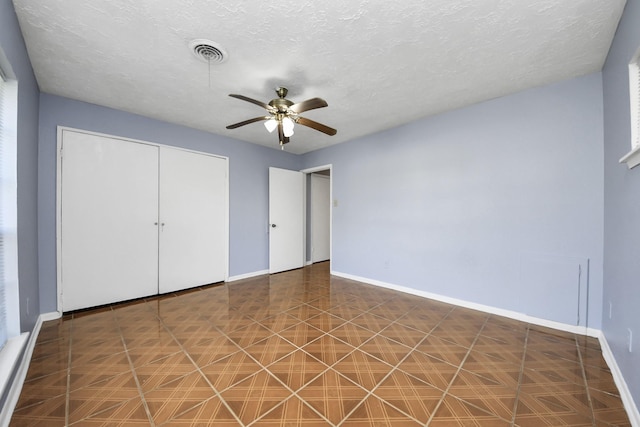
column 193, row 218
column 109, row 211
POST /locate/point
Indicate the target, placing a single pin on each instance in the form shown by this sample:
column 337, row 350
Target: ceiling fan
column 283, row 114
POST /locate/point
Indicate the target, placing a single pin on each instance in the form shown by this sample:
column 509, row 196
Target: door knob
column 273, row 226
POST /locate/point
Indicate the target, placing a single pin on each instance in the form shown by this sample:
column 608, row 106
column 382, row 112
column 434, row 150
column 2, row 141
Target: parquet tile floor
column 303, row 348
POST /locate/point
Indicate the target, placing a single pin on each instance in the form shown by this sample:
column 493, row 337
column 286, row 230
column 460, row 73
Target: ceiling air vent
column 208, row 51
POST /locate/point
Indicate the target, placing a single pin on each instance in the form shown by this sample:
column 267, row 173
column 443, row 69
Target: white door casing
column 320, row 217
column 286, row 220
column 109, row 236
column 192, row 219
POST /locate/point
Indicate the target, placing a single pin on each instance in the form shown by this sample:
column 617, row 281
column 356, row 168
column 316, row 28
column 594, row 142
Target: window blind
column 636, row 142
column 634, row 99
column 3, row 300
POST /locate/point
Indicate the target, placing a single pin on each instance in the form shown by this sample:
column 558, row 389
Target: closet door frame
column 60, row 137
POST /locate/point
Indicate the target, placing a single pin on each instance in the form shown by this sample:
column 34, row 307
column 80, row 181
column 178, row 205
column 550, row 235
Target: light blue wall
column 248, row 180
column 14, row 48
column 622, row 205
column 461, row 204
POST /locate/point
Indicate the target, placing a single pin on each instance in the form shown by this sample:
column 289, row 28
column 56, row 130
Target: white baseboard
column 247, row 275
column 581, row 330
column 54, row 315
column 625, row 393
column 9, row 359
column 21, row 373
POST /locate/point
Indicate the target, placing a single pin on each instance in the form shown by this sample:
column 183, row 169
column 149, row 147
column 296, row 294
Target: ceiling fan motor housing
column 281, row 104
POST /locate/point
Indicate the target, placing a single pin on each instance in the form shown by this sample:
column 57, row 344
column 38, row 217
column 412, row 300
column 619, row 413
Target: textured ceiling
column 377, row 63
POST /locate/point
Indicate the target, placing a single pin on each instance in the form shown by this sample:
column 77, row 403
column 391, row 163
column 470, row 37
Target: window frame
column 632, row 159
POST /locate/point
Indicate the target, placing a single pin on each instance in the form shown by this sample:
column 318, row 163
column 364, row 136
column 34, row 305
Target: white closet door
column 193, row 218
column 109, row 211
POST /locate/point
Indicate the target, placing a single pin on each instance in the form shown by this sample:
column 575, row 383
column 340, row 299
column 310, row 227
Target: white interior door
column 109, row 212
column 193, row 219
column 286, row 222
column 320, row 217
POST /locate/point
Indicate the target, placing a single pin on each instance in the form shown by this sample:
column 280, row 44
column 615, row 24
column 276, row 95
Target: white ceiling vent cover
column 208, row 51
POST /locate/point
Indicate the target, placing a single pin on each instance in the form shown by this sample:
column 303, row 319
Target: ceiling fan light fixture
column 284, row 115
column 287, row 126
column 271, row 125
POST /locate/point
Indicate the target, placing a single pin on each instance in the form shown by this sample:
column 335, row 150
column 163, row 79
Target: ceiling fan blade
column 317, row 126
column 251, row 100
column 309, row 104
column 246, row 122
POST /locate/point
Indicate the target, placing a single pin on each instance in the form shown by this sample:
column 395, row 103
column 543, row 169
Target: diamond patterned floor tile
column 410, row 395
column 255, row 396
column 46, row 413
column 304, row 312
column 372, row 322
column 355, row 354
column 443, row 350
column 301, row 334
column 485, row 393
column 292, row 412
column 100, row 396
column 210, row 413
column 130, row 413
column 403, row 334
column 563, row 404
column 279, row 322
column 208, row 351
column 43, row 388
column 455, row 412
column 46, row 365
column 363, row 369
column 162, row 371
column 230, row 370
column 608, row 408
column 250, row 334
column 325, row 322
column 173, row 398
column 391, row 310
column 385, row 349
column 352, row 334
column 328, row 349
column 374, row 412
column 332, row 395
column 268, row 351
column 429, row 369
column 425, row 322
column 297, row 369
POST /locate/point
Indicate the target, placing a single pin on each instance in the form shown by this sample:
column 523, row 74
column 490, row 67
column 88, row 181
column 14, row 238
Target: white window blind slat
column 637, row 112
column 634, row 99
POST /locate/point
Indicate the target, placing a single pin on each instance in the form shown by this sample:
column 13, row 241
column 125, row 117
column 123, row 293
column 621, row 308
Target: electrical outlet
column 630, row 339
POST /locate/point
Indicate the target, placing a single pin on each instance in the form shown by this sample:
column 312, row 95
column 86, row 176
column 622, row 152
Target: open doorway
column 318, row 214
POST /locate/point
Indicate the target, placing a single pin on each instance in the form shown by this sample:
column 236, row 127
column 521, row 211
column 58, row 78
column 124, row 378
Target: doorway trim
column 307, row 172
